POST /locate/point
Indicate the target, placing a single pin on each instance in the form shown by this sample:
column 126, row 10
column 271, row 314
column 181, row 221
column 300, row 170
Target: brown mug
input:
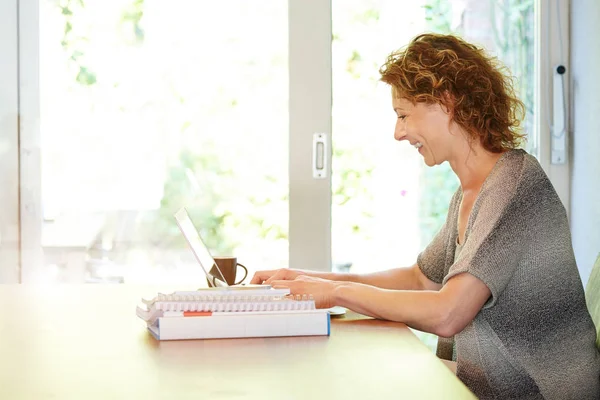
column 228, row 267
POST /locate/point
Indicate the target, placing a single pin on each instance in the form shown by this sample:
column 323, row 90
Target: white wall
column 585, row 184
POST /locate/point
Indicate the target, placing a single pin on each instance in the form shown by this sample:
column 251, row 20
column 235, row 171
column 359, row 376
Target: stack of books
column 232, row 312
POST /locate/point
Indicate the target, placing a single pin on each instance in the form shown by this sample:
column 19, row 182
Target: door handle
column 320, row 155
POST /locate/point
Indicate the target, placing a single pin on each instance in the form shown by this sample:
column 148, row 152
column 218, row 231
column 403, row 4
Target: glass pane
column 387, row 205
column 148, row 106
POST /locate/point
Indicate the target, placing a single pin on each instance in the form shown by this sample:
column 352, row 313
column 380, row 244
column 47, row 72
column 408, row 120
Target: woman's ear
column 448, row 104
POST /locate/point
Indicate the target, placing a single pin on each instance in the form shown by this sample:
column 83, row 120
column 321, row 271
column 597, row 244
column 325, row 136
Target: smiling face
column 426, row 127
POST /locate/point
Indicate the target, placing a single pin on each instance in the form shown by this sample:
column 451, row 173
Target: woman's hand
column 321, row 289
column 283, row 274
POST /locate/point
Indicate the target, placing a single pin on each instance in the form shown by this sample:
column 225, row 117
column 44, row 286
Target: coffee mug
column 228, row 267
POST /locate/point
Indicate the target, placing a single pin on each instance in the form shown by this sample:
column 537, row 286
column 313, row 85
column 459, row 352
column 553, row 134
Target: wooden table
column 85, row 342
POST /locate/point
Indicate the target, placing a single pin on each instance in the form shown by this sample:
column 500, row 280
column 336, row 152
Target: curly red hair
column 475, row 87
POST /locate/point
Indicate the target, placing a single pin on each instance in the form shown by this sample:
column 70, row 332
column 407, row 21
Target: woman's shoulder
column 520, row 179
column 532, row 177
column 517, row 169
column 527, row 163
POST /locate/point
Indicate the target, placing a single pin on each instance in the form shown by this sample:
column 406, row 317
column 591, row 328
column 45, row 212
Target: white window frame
column 30, row 177
column 310, row 91
column 553, row 17
column 9, row 143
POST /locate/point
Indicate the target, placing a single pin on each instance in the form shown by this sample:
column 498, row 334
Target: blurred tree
column 131, row 18
column 194, row 182
column 514, row 39
column 352, row 167
column 73, row 42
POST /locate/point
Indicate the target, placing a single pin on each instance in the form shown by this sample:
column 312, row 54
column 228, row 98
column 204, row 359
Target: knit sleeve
column 432, row 261
column 497, row 233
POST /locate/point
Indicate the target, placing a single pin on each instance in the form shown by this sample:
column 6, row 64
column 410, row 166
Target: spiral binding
column 238, row 302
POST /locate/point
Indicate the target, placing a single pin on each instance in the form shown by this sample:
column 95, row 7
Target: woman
column 500, row 276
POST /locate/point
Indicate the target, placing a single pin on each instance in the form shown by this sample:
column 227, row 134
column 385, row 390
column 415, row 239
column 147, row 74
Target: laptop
column 214, row 276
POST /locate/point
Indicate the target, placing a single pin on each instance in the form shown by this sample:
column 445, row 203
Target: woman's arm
column 410, row 278
column 443, row 312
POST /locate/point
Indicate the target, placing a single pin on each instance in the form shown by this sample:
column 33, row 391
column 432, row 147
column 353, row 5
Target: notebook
column 228, row 313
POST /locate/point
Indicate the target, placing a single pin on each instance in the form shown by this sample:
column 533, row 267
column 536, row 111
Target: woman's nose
column 399, row 132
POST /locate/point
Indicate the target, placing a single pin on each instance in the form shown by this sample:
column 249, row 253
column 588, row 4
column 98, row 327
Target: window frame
column 553, row 17
column 9, row 143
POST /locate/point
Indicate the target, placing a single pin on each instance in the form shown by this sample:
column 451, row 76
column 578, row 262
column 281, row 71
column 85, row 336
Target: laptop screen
column 210, row 268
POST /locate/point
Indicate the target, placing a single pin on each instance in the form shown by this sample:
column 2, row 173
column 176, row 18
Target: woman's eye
column 402, row 117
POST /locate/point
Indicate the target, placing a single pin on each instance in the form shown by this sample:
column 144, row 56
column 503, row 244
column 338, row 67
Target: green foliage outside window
column 193, row 182
column 196, row 178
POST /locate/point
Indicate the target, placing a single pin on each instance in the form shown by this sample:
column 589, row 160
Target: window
column 145, row 109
